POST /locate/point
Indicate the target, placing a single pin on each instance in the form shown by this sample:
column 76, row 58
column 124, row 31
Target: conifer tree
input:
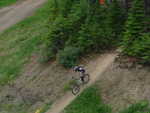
column 116, row 18
column 135, row 25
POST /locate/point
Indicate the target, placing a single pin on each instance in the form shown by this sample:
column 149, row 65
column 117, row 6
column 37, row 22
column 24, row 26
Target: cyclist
column 81, row 70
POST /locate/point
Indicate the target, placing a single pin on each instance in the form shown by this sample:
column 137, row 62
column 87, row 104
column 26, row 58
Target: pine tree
column 135, row 25
column 116, row 18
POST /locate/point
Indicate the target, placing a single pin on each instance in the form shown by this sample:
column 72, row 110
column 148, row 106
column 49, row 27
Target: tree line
column 79, row 27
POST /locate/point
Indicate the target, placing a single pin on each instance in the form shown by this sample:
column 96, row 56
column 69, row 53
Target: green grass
column 88, row 102
column 141, row 107
column 19, row 42
column 6, row 2
column 46, row 107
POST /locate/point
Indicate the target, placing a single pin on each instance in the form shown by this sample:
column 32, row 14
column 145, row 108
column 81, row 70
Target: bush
column 69, row 56
column 141, row 48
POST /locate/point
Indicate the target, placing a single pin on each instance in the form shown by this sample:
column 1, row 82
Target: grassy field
column 90, row 102
column 19, row 42
column 6, row 2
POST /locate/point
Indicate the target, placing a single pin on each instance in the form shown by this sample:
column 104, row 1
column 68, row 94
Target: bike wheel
column 75, row 89
column 86, row 78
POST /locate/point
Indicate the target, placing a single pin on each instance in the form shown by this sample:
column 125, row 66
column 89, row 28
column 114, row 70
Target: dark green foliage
column 116, row 19
column 68, row 57
column 64, row 29
column 65, row 6
column 134, row 25
column 147, row 23
column 141, row 48
column 84, row 25
column 136, row 40
column 95, row 34
column 93, row 37
column 58, row 35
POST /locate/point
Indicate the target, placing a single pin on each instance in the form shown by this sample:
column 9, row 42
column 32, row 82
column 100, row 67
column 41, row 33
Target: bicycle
column 76, row 86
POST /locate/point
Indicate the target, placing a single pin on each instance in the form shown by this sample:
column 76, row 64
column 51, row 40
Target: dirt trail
column 96, row 70
column 13, row 14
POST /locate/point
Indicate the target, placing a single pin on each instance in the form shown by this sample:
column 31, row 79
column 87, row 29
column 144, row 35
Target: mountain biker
column 81, row 70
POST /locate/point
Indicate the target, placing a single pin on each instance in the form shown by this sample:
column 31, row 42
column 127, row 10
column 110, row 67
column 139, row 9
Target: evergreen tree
column 116, row 18
column 135, row 25
column 136, row 41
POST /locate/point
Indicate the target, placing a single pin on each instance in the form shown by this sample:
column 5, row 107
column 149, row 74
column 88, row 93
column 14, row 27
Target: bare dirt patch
column 122, row 87
column 96, row 68
column 40, row 84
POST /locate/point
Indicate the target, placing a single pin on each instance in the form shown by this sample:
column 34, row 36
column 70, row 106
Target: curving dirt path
column 15, row 13
column 96, row 68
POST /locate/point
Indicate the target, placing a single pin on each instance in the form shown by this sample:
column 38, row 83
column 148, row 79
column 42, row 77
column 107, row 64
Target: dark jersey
column 80, row 69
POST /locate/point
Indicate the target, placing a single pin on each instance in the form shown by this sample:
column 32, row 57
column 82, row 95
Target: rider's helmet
column 76, row 68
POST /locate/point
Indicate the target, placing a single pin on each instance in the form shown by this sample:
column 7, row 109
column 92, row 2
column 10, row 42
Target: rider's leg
column 82, row 76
